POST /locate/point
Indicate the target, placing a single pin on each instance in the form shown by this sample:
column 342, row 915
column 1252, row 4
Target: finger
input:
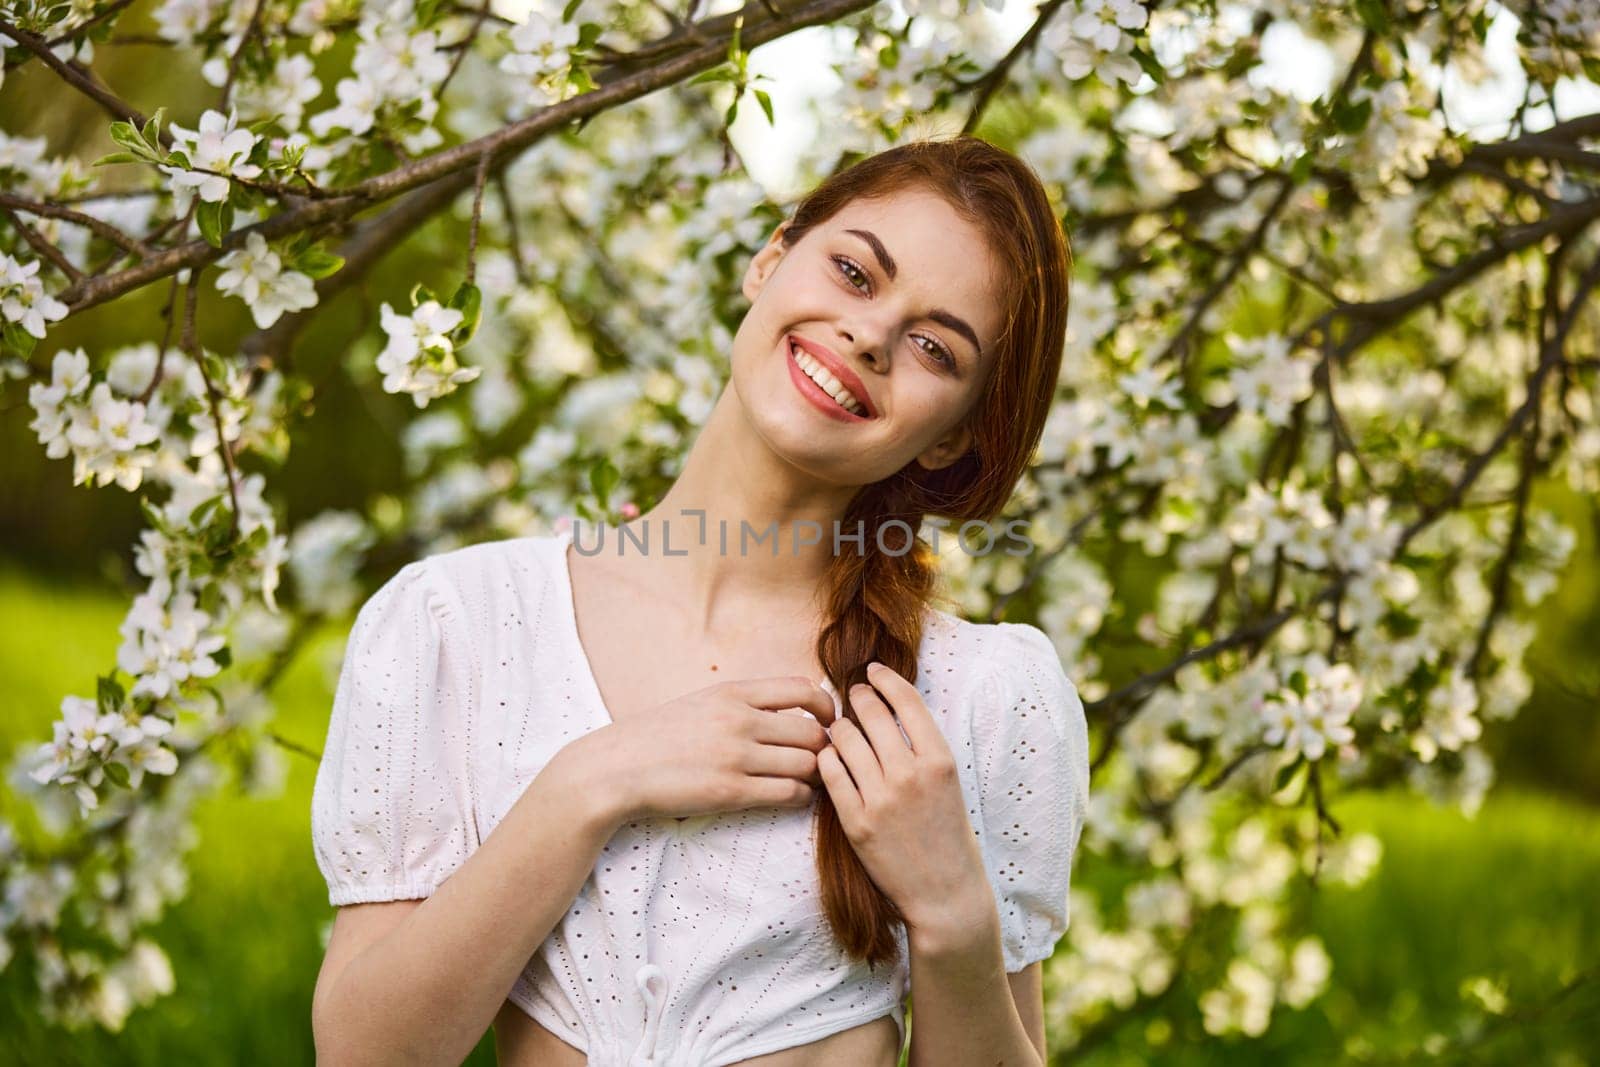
column 908, row 706
column 780, row 793
column 780, row 761
column 841, row 790
column 877, row 722
column 774, row 694
column 859, row 759
column 790, row 728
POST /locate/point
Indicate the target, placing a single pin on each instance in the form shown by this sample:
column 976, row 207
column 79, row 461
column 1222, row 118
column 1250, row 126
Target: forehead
column 943, row 259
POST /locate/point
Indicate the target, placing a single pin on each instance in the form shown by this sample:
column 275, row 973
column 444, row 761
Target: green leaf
column 570, row 10
column 223, row 656
column 18, row 340
column 109, row 694
column 152, row 128
column 217, row 369
column 273, row 446
column 118, row 775
column 1287, row 773
column 216, row 694
column 1150, row 65
column 1374, row 15
column 116, row 157
column 421, row 294
column 731, row 113
column 317, row 263
column 125, row 135
column 603, row 478
column 715, row 74
column 766, row 105
column 1301, row 169
column 589, row 32
column 203, row 511
column 152, row 515
column 469, row 301
column 214, row 219
column 1352, row 118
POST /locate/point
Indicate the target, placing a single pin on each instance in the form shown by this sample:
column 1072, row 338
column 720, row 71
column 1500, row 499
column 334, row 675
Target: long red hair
column 876, row 599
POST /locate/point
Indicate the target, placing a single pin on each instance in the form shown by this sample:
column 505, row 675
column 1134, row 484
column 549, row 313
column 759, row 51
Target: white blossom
column 110, row 439
column 216, row 151
column 1449, row 721
column 419, row 358
column 284, row 95
column 23, row 299
column 1091, row 37
column 324, row 553
column 255, row 275
column 542, row 47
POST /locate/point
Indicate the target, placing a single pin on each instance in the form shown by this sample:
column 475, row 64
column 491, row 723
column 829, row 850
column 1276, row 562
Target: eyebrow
column 939, row 315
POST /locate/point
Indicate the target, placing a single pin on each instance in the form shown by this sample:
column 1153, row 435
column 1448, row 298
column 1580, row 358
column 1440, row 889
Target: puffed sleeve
column 392, row 807
column 1031, row 745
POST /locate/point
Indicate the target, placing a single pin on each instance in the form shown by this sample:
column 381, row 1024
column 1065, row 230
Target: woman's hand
column 727, row 747
column 902, row 807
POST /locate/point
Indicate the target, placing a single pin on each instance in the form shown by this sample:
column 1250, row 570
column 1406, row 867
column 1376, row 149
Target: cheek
column 923, row 411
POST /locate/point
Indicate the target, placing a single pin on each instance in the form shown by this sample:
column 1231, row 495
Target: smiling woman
column 604, row 804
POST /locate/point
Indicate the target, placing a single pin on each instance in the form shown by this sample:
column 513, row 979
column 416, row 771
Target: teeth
column 824, row 378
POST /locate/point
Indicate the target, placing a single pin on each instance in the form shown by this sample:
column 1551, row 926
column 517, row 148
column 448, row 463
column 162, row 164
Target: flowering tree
column 1319, row 354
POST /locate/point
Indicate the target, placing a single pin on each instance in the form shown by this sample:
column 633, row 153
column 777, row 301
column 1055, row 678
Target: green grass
column 1510, row 895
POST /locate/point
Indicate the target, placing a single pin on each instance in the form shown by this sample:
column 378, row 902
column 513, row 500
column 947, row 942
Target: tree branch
column 74, row 75
column 455, row 165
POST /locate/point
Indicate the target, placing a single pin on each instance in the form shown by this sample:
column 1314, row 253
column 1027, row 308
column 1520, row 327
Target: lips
column 837, row 368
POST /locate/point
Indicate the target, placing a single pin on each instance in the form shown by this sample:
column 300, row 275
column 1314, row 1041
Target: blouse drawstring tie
column 645, row 1054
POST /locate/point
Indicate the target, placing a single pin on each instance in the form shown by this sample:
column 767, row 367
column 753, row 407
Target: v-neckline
column 563, row 569
column 682, row 824
column 591, row 680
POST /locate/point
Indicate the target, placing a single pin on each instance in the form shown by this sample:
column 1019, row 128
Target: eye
column 942, row 353
column 851, row 270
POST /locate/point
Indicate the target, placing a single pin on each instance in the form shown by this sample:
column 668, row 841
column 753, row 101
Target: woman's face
column 899, row 292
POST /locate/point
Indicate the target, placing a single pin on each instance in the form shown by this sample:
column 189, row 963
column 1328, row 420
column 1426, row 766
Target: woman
column 595, row 798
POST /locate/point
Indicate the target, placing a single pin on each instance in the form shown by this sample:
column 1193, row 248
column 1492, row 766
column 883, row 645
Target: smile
column 822, row 388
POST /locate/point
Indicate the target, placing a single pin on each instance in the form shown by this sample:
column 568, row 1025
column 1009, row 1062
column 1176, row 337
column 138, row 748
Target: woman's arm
column 962, row 1012
column 419, row 982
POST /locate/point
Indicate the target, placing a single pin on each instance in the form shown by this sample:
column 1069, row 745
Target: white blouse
column 697, row 942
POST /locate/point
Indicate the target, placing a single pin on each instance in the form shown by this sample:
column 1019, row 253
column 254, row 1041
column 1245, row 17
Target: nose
column 871, row 352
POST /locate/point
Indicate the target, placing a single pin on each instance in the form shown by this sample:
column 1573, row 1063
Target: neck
column 733, row 522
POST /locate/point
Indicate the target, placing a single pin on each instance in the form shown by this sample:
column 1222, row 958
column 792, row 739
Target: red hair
column 876, row 599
